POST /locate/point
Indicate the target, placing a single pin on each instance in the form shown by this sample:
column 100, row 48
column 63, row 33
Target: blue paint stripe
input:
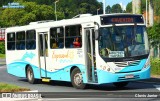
column 17, row 68
column 134, row 68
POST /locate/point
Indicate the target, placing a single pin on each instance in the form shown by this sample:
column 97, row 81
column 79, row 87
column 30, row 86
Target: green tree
column 5, row 2
column 156, row 4
column 36, row 10
column 41, row 2
column 129, row 7
column 2, row 48
column 108, row 9
column 10, row 17
column 153, row 34
column 71, row 8
column 31, row 12
column 116, row 8
column 143, row 5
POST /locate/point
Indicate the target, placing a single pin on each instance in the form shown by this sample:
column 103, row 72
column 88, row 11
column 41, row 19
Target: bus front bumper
column 107, row 77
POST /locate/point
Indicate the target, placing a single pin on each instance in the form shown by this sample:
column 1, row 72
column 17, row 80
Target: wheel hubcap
column 30, row 75
column 78, row 79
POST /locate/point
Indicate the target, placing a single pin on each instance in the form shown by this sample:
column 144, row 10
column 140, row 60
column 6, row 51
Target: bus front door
column 90, row 55
column 43, row 53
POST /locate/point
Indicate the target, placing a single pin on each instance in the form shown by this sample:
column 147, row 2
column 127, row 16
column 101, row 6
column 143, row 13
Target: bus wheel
column 30, row 75
column 120, row 84
column 76, row 79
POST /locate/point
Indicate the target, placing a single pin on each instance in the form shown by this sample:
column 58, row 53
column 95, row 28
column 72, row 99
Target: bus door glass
column 90, row 49
column 43, row 51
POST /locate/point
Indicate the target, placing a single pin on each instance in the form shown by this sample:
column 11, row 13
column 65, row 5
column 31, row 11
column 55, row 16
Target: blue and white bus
column 86, row 49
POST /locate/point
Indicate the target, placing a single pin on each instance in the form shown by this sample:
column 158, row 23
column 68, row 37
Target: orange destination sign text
column 122, row 20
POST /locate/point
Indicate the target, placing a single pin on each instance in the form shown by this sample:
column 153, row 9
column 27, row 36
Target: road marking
column 56, row 99
column 157, row 87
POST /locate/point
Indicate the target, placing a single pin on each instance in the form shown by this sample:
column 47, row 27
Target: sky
column 121, row 2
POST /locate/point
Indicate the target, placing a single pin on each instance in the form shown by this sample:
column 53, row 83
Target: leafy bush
column 153, row 34
column 155, row 66
column 2, row 48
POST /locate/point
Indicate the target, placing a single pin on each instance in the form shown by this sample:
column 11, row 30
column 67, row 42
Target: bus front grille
column 127, row 63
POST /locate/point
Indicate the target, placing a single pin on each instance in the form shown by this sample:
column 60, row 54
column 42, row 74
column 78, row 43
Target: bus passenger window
column 77, row 43
column 10, row 41
column 54, row 44
column 20, row 40
column 73, row 37
column 56, row 38
column 31, row 40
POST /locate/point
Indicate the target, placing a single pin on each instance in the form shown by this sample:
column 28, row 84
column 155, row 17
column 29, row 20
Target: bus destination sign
column 121, row 19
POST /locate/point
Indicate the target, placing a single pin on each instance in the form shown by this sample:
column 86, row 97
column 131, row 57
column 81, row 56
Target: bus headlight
column 105, row 68
column 108, row 69
column 147, row 64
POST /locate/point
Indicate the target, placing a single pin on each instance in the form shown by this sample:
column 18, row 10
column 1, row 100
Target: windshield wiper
column 118, row 33
column 134, row 32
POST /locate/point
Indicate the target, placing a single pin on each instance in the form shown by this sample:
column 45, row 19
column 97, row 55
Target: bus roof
column 79, row 19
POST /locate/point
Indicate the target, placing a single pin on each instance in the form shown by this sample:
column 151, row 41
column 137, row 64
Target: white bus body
column 29, row 52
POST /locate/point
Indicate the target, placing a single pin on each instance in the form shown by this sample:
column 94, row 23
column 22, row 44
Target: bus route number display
column 116, row 54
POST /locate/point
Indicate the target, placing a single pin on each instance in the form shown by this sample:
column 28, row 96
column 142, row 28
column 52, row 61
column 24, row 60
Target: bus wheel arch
column 76, row 78
column 26, row 69
column 30, row 74
column 72, row 68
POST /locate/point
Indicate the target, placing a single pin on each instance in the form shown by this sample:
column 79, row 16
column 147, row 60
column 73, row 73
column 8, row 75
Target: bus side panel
column 61, row 61
column 16, row 69
column 16, row 64
column 63, row 74
column 19, row 69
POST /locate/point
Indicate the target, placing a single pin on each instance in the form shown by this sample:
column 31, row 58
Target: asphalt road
column 91, row 90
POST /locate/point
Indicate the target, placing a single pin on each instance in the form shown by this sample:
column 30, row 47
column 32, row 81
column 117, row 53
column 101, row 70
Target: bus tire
column 77, row 79
column 30, row 75
column 120, row 84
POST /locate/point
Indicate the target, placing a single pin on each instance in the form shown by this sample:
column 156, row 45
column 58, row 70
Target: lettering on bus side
column 68, row 55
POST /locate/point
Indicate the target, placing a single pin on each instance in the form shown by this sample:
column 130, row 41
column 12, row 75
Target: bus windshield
column 123, row 41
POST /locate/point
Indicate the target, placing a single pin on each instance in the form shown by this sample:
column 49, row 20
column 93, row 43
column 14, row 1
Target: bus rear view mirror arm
column 96, row 30
column 96, row 34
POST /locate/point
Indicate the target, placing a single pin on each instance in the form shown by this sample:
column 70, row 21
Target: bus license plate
column 129, row 76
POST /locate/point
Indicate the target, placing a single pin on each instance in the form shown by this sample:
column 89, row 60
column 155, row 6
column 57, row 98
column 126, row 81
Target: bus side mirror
column 96, row 30
column 96, row 34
